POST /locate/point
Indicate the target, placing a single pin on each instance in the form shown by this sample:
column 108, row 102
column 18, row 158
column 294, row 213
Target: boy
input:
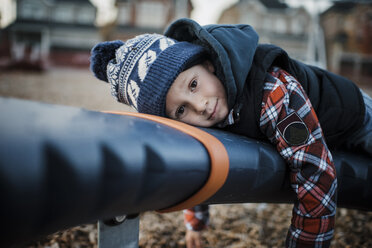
column 219, row 76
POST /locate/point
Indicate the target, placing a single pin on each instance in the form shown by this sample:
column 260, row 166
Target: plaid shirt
column 313, row 175
column 196, row 218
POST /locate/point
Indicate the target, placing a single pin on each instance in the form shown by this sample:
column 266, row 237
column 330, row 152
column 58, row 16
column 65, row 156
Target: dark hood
column 225, row 44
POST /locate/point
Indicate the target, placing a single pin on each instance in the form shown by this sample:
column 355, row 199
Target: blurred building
column 62, row 32
column 49, row 32
column 275, row 22
column 145, row 16
column 348, row 35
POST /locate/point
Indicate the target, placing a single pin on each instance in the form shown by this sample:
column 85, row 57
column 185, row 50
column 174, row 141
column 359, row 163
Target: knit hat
column 141, row 70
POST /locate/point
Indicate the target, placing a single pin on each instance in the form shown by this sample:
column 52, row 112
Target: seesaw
column 62, row 166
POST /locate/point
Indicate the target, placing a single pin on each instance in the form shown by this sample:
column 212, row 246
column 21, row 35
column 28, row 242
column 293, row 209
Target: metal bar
column 62, row 166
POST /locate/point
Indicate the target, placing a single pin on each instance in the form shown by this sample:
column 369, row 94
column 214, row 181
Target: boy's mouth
column 211, row 117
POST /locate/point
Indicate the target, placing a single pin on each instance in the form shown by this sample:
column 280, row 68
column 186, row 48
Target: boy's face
column 197, row 97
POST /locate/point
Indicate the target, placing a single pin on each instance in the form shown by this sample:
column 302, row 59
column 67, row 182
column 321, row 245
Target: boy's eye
column 193, row 85
column 180, row 111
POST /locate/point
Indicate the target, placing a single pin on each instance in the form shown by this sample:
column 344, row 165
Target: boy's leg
column 363, row 138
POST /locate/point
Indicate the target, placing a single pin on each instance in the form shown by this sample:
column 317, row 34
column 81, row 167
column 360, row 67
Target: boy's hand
column 193, row 239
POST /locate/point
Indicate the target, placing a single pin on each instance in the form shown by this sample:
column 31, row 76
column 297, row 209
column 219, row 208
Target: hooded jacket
column 242, row 64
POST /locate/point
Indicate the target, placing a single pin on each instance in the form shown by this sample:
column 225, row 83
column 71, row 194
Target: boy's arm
column 289, row 121
column 196, row 218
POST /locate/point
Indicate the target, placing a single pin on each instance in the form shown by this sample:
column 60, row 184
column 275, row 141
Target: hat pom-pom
column 101, row 54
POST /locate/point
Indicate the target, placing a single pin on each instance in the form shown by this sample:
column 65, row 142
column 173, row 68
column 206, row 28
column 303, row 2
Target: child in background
column 219, row 76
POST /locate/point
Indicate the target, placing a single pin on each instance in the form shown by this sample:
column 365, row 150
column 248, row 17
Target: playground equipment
column 62, row 166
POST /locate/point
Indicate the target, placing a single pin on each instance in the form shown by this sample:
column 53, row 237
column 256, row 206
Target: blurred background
column 44, row 56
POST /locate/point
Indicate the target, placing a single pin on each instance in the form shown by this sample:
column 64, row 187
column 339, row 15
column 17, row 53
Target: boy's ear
column 208, row 65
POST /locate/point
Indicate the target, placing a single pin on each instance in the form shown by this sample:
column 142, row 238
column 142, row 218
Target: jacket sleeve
column 196, row 218
column 290, row 122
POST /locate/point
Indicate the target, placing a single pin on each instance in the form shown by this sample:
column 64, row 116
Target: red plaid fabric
column 196, row 218
column 313, row 175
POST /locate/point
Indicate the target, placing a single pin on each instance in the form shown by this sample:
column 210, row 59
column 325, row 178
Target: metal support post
column 120, row 232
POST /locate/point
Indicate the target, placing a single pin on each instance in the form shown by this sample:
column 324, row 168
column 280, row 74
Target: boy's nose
column 200, row 106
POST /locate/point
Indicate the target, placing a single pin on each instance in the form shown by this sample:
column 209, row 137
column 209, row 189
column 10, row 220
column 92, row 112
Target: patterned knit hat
column 142, row 69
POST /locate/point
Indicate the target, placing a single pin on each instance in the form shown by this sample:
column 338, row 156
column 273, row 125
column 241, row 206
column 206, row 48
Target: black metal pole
column 63, row 166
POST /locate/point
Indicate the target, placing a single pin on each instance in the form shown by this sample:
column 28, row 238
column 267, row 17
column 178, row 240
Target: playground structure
column 63, row 166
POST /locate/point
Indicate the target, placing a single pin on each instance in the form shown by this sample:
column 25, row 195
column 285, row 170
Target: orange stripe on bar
column 217, row 153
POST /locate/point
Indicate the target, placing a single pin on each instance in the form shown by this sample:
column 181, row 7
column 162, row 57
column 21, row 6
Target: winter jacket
column 242, row 64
